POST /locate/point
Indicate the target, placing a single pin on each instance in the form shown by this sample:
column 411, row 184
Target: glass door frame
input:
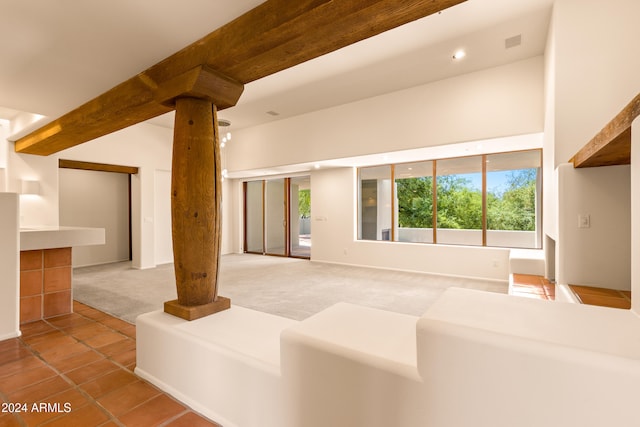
column 286, row 220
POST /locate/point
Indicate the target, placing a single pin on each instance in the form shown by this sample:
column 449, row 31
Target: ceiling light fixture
column 227, row 137
column 459, row 54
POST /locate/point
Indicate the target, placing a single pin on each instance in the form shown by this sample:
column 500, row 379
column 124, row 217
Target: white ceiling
column 57, row 54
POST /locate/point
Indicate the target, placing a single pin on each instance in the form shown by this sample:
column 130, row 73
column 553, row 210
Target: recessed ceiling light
column 317, row 166
column 459, row 54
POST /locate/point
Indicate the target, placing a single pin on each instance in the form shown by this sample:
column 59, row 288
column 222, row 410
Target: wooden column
column 196, row 184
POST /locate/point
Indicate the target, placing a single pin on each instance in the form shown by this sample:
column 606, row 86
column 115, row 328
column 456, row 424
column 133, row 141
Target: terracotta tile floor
column 540, row 288
column 602, row 297
column 77, row 370
column 530, row 286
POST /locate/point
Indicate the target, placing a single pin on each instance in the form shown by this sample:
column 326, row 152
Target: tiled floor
column 530, row 286
column 77, row 370
column 602, row 297
column 540, row 288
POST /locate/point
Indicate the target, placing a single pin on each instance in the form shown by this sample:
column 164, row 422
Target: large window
column 459, row 201
column 375, row 203
column 513, row 192
column 484, row 200
column 414, row 201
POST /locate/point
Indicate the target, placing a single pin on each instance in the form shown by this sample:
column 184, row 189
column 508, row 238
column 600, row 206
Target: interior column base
column 196, row 311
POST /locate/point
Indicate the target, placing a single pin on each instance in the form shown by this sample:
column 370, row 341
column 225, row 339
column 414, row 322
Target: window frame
column 484, row 191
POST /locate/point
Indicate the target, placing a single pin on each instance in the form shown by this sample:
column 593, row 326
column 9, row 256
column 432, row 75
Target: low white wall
column 513, row 239
column 499, row 238
column 225, row 366
column 351, row 366
column 502, row 358
column 499, row 357
column 9, row 266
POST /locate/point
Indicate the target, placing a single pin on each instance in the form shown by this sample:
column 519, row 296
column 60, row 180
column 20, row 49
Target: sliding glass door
column 253, row 217
column 277, row 217
column 300, row 217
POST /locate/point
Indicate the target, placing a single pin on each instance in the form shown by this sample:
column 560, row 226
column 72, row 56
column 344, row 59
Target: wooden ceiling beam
column 99, row 167
column 612, row 145
column 276, row 35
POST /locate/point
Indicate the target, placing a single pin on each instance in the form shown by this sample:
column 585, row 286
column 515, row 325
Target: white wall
column 4, row 147
column 500, row 101
column 590, row 77
column 635, row 215
column 595, row 74
column 232, row 217
column 163, row 240
column 96, row 199
column 549, row 195
column 601, row 254
column 9, row 266
column 149, row 148
column 35, row 210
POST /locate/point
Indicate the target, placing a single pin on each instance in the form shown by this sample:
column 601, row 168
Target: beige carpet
column 287, row 287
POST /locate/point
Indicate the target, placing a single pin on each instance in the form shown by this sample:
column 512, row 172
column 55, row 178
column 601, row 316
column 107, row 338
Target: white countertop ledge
column 34, row 238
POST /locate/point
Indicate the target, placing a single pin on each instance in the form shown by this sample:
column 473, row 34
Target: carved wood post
column 196, row 185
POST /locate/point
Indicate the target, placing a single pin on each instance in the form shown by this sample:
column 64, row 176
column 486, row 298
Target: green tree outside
column 460, row 205
column 304, row 203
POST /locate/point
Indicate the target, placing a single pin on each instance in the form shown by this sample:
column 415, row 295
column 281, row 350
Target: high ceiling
column 57, row 54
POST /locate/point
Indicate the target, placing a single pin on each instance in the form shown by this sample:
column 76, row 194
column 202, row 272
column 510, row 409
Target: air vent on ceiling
column 273, row 113
column 224, row 122
column 513, row 41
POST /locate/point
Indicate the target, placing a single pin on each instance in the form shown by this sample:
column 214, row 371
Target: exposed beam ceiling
column 612, row 145
column 274, row 36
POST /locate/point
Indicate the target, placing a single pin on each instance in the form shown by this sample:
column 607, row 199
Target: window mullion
column 434, row 203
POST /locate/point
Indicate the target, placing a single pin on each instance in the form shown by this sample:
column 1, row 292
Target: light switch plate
column 584, row 221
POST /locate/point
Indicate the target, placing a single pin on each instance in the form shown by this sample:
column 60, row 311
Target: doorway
column 97, row 195
column 277, row 216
